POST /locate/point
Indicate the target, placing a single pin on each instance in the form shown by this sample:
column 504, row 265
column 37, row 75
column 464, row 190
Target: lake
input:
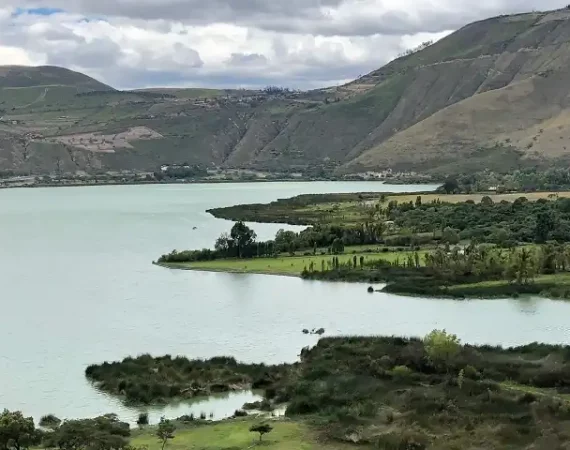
column 78, row 287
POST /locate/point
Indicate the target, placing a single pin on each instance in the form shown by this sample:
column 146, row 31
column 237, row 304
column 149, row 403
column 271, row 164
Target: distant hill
column 23, row 76
column 495, row 94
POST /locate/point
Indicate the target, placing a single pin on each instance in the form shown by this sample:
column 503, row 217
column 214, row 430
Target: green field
column 235, row 435
column 287, row 265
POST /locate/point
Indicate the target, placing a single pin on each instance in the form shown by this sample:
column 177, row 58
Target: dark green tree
column 49, row 421
column 16, row 431
column 101, row 433
column 487, row 201
column 337, row 246
column 262, row 428
column 449, row 236
column 242, row 236
column 544, row 226
column 451, row 186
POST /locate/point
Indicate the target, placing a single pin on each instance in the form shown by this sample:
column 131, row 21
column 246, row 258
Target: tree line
column 241, row 242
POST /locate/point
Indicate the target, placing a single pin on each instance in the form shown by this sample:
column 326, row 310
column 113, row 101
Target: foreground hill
column 491, row 95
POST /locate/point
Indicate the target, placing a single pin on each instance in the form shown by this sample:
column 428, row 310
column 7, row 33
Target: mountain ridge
column 494, row 93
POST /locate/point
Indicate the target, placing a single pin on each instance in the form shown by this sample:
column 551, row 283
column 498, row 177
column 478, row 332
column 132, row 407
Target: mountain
column 494, row 94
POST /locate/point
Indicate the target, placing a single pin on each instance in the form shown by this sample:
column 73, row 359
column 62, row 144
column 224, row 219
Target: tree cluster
column 503, row 223
column 101, row 433
column 241, row 242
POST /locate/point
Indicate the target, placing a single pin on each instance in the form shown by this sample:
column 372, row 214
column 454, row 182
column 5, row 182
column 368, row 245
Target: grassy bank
column 235, row 434
column 393, row 269
column 289, row 265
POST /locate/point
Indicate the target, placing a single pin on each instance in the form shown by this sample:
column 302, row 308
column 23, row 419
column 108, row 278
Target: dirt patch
column 107, row 143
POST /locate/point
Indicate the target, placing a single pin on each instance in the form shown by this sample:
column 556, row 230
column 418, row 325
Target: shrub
column 403, row 440
column 442, row 347
column 142, row 419
column 49, row 421
column 401, row 372
column 471, row 373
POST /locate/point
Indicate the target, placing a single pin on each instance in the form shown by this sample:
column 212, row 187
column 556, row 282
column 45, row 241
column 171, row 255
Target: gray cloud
column 97, row 54
column 229, row 43
column 246, row 59
column 306, row 16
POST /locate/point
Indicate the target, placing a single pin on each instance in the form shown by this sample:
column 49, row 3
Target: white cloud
column 227, row 43
column 15, row 56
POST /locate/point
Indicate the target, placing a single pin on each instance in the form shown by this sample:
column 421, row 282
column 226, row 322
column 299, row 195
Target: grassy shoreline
column 551, row 286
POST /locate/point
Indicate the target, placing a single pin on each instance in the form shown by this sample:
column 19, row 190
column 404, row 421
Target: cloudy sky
column 231, row 43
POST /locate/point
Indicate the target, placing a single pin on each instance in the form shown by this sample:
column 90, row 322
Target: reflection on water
column 215, row 407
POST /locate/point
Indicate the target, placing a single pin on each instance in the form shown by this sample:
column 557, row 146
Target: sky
column 300, row 44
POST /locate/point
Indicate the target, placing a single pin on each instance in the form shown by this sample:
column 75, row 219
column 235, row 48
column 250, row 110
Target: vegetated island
column 346, row 393
column 435, row 244
column 144, row 380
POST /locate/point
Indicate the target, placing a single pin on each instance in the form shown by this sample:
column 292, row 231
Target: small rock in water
column 320, row 331
column 370, row 289
column 305, row 331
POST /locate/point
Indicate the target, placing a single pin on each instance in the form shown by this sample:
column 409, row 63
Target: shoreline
column 445, row 295
column 174, row 266
column 14, row 185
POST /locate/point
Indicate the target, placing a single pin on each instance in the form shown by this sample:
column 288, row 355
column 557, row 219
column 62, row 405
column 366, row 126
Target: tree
column 500, row 237
column 262, row 428
column 450, row 236
column 285, row 240
column 487, row 201
column 16, row 431
column 544, row 226
column 142, row 419
column 165, row 431
column 50, row 421
column 101, row 433
column 242, row 236
column 441, row 347
column 224, row 243
column 451, row 186
column 337, row 246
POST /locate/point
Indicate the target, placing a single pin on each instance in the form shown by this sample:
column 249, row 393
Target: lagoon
column 78, row 287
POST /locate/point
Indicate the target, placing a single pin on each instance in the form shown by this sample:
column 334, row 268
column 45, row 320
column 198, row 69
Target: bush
column 403, row 440
column 49, row 421
column 142, row 419
column 401, row 372
column 187, row 418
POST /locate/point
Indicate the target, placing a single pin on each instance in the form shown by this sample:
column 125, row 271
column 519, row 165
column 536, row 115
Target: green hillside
column 491, row 95
column 22, row 77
